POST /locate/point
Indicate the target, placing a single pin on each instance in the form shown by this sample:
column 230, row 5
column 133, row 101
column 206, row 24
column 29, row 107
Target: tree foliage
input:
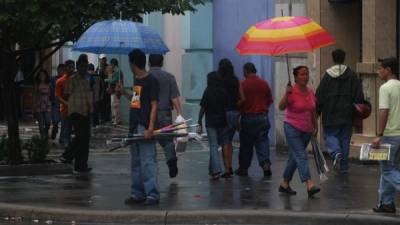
column 36, row 23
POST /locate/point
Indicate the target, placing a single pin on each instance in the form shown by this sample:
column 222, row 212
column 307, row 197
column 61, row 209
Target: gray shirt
column 168, row 88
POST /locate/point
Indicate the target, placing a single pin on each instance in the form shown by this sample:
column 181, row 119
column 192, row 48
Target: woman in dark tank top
column 235, row 98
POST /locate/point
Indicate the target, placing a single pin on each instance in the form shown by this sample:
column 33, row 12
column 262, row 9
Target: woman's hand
column 199, row 129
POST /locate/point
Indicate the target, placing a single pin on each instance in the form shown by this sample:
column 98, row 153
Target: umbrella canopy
column 120, row 37
column 283, row 35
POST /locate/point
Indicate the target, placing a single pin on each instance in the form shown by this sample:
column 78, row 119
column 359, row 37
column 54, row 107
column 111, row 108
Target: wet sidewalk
column 102, row 193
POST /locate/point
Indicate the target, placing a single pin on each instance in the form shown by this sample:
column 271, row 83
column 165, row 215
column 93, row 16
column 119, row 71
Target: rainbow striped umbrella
column 283, row 35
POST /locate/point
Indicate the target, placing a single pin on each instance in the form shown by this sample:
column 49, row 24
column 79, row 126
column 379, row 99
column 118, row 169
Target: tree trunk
column 8, row 102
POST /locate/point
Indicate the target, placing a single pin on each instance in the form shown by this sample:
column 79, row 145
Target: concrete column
column 198, row 58
column 378, row 40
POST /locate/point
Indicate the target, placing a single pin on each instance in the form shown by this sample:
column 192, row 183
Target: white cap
column 102, row 56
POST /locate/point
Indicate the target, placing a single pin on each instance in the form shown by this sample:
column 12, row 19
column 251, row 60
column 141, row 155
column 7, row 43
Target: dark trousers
column 254, row 133
column 106, row 107
column 78, row 149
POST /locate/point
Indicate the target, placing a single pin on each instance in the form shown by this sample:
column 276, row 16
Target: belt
column 255, row 114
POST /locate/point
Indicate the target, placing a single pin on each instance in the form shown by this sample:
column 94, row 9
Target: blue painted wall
column 232, row 18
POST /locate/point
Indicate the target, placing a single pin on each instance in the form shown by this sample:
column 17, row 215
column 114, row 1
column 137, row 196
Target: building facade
column 366, row 30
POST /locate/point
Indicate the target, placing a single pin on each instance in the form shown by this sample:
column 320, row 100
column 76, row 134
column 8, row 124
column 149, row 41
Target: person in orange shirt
column 65, row 134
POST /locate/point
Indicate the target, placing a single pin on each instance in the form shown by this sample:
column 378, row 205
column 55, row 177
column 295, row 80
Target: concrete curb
column 194, row 216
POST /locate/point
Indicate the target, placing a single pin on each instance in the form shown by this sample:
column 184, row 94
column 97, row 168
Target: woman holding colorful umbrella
column 300, row 123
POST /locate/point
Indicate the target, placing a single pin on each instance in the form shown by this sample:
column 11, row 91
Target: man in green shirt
column 389, row 133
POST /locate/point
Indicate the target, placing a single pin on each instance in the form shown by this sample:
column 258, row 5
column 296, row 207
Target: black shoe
column 134, row 201
column 173, row 167
column 241, row 172
column 151, row 201
column 83, row 170
column 230, row 171
column 215, row 176
column 312, row 191
column 267, row 173
column 267, row 170
column 288, row 190
column 382, row 208
column 54, row 132
column 65, row 160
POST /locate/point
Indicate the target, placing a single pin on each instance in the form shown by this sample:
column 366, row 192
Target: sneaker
column 241, row 172
column 215, row 176
column 382, row 208
column 151, row 201
column 173, row 167
column 134, row 201
column 336, row 162
column 287, row 191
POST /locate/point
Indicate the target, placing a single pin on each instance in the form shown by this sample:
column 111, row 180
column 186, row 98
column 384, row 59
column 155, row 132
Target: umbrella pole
column 288, row 71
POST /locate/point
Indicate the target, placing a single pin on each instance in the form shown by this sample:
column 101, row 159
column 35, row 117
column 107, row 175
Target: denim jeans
column 66, row 129
column 55, row 113
column 390, row 171
column 254, row 133
column 232, row 119
column 144, row 169
column 44, row 123
column 337, row 140
column 297, row 141
column 215, row 136
column 164, row 118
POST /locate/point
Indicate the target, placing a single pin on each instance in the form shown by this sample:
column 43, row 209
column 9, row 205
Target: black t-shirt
column 231, row 86
column 214, row 104
column 145, row 91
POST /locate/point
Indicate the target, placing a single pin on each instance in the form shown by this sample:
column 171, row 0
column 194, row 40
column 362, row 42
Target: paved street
column 192, row 190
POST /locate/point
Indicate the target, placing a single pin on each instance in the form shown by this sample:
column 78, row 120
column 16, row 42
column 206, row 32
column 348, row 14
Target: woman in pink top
column 300, row 123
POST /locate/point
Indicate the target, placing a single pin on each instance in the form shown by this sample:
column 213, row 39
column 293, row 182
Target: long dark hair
column 225, row 68
column 38, row 75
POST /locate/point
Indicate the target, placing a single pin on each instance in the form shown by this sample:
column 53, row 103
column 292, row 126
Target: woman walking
column 213, row 105
column 235, row 97
column 300, row 123
column 41, row 102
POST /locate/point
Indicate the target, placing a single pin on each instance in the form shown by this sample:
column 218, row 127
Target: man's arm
column 153, row 114
column 177, row 105
column 383, row 118
column 60, row 94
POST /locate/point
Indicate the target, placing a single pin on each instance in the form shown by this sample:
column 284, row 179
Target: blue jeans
column 297, row 141
column 66, row 130
column 214, row 136
column 390, row 171
column 144, row 169
column 55, row 113
column 164, row 118
column 254, row 133
column 44, row 123
column 337, row 140
column 232, row 120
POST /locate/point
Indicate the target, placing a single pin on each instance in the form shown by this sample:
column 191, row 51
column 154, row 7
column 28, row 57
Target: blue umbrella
column 120, row 37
